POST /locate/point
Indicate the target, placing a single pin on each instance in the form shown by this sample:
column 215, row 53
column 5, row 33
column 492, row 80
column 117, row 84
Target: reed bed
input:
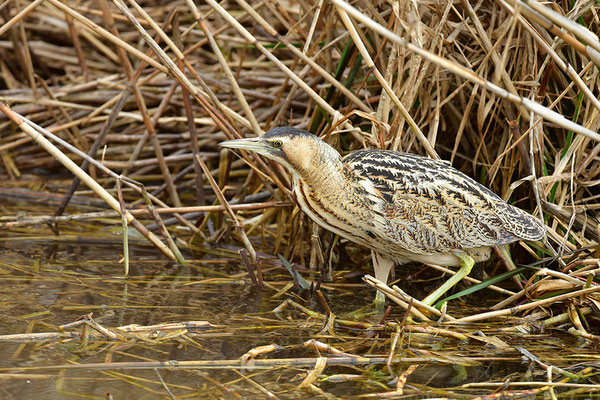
column 113, row 111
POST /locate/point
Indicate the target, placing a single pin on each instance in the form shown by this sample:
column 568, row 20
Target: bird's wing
column 427, row 206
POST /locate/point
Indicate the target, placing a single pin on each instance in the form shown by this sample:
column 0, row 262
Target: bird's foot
column 379, row 302
column 379, row 298
column 376, row 308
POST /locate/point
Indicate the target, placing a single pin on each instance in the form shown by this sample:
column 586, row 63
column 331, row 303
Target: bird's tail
column 522, row 224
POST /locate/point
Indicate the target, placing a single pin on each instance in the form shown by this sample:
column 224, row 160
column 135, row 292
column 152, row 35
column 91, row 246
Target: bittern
column 403, row 207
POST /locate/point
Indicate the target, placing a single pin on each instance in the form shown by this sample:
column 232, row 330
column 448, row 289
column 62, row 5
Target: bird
column 403, row 207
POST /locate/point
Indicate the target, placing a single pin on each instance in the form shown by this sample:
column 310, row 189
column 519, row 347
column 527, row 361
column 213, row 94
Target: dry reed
column 133, row 97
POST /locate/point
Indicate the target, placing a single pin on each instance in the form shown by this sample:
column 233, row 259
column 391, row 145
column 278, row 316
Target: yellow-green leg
column 465, row 268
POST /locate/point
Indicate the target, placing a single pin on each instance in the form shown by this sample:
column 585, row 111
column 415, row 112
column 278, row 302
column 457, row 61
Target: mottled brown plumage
column 403, row 207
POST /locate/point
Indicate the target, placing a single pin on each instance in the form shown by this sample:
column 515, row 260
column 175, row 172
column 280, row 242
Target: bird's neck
column 324, row 168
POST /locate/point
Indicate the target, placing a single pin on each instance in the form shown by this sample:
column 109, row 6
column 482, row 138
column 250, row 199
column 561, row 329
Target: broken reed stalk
column 398, row 84
column 85, row 178
column 528, row 306
column 50, row 219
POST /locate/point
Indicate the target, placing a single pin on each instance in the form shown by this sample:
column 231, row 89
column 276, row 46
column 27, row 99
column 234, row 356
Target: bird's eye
column 277, row 143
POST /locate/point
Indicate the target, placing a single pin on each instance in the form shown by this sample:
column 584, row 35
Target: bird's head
column 295, row 149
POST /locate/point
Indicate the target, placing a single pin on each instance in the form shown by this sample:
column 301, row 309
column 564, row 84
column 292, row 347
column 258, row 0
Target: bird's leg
column 465, row 268
column 504, row 254
column 382, row 267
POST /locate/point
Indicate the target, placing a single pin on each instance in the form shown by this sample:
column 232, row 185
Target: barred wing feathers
column 427, row 206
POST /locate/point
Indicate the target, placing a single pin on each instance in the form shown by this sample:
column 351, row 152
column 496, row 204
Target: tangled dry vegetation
column 141, row 93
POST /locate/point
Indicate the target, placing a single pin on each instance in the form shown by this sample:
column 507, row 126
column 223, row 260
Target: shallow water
column 48, row 281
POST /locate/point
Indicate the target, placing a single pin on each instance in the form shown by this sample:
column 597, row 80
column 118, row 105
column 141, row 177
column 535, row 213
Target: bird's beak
column 251, row 144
